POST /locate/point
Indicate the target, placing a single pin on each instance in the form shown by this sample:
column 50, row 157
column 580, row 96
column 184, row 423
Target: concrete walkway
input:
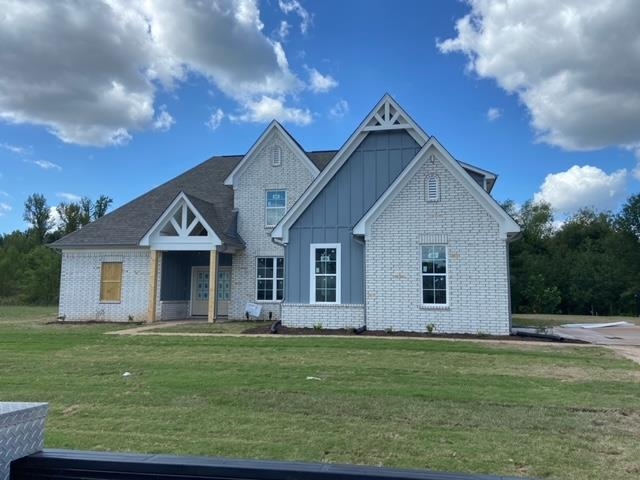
column 625, row 341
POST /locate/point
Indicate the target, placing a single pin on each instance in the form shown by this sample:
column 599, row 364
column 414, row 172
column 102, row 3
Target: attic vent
column 432, row 188
column 276, row 156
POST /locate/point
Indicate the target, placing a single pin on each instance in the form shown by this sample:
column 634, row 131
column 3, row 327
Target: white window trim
column 267, row 208
column 312, row 272
column 274, row 288
column 434, row 306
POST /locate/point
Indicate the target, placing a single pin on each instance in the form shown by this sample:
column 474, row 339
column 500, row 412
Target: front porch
column 181, row 288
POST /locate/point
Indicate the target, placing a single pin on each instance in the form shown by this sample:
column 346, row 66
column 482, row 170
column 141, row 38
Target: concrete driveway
column 623, row 339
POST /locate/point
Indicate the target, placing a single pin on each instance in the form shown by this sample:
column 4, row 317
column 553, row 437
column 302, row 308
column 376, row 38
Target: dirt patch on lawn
column 385, row 333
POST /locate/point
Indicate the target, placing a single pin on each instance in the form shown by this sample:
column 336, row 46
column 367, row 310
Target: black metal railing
column 71, row 464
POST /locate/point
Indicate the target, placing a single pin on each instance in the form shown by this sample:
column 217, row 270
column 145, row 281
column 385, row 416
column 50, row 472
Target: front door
column 199, row 290
column 224, row 290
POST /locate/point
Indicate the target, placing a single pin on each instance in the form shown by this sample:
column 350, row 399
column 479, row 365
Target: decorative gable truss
column 388, row 117
column 181, row 227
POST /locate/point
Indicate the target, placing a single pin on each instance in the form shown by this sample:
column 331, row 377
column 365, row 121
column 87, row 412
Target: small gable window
column 276, row 156
column 276, row 206
column 432, row 187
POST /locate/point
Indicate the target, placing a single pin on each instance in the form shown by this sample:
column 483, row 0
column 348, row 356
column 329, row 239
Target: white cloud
column 319, row 83
column 164, row 121
column 268, row 108
column 69, row 197
column 3, row 193
column 493, row 114
column 283, row 31
column 110, row 57
column 584, row 186
column 4, row 208
column 14, row 148
column 288, row 6
column 339, row 110
column 44, row 164
column 215, row 119
column 574, row 64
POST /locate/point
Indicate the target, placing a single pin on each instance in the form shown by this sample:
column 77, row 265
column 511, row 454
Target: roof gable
column 508, row 226
column 386, row 115
column 181, row 227
column 231, row 180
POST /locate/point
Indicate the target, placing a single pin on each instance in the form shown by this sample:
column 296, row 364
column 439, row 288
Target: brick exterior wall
column 80, row 285
column 250, row 201
column 478, row 283
column 327, row 316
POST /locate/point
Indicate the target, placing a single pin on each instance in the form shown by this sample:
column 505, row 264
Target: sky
column 116, row 97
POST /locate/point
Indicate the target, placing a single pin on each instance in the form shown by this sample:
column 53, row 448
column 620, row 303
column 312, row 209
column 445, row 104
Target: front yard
column 534, row 410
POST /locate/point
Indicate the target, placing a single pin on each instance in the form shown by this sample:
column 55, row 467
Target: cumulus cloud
column 164, row 121
column 4, row 208
column 574, row 64
column 69, row 197
column 288, row 6
column 110, row 57
column 339, row 110
column 493, row 114
column 267, row 108
column 319, row 83
column 583, row 186
column 215, row 119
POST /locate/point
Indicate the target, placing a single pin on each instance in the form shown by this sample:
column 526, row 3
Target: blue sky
column 119, row 97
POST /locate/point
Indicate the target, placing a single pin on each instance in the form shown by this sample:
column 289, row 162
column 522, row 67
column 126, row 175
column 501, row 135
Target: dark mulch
column 382, row 333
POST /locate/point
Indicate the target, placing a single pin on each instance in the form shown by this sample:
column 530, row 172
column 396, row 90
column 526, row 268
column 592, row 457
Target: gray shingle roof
column 203, row 185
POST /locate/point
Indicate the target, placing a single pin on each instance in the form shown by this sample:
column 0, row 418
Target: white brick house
column 390, row 232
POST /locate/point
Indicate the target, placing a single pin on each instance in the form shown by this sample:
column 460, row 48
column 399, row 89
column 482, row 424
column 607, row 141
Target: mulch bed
column 382, row 333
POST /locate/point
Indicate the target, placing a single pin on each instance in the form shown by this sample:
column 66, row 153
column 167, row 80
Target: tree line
column 588, row 265
column 29, row 270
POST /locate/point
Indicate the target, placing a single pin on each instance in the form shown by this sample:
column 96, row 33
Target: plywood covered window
column 111, row 282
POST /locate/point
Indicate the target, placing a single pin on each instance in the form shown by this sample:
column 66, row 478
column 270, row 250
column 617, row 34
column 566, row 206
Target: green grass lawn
column 539, row 320
column 538, row 411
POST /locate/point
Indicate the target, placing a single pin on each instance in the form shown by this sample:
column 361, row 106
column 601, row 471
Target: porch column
column 153, row 284
column 213, row 285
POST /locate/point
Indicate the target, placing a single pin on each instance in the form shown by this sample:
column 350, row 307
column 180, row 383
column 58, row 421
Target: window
column 270, row 277
column 433, row 188
column 276, row 206
column 434, row 274
column 325, row 273
column 110, row 282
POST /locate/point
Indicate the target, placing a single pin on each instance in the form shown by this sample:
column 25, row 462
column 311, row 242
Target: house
column 390, row 231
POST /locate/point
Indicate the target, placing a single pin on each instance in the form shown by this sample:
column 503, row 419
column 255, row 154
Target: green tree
column 101, row 206
column 629, row 218
column 36, row 214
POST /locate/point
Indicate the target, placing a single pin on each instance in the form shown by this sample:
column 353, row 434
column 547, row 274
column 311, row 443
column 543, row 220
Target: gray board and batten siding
column 331, row 216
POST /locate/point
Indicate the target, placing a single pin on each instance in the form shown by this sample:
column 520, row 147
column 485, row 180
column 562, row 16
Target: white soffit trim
column 257, row 146
column 507, row 224
column 387, row 114
column 180, row 243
